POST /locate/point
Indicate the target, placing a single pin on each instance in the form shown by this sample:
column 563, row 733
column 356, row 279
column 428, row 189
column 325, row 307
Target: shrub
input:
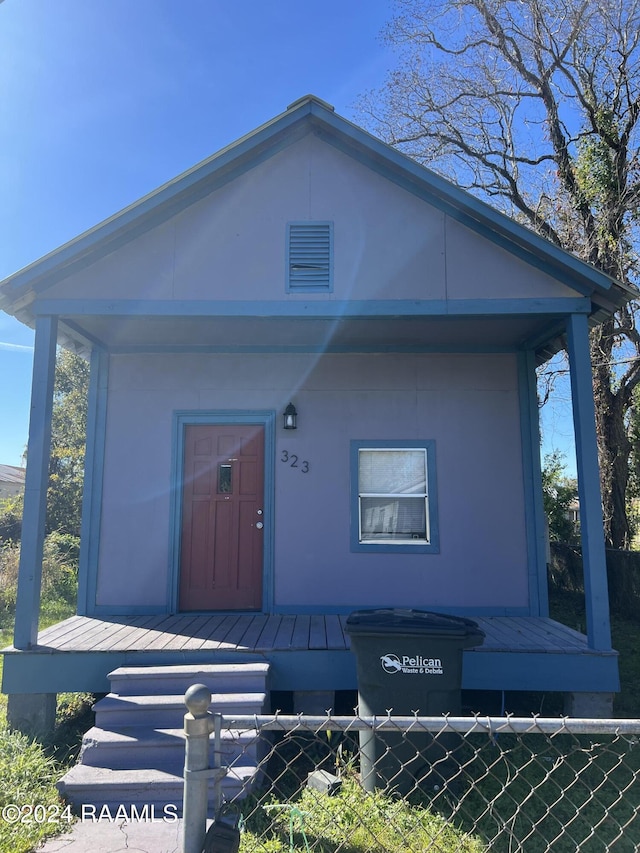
column 59, row 573
column 9, row 560
column 60, row 568
column 11, row 518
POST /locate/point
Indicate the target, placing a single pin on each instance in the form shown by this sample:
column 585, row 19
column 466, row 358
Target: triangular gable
column 389, row 244
column 144, row 222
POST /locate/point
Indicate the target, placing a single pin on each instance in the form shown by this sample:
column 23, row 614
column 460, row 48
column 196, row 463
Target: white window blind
column 393, row 497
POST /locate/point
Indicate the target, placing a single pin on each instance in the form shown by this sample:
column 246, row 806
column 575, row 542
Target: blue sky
column 102, row 101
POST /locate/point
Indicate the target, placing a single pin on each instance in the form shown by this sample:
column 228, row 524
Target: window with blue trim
column 394, row 496
column 310, row 257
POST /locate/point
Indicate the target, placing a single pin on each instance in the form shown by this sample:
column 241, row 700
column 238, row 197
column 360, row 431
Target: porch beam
column 36, row 482
column 591, row 524
column 361, row 309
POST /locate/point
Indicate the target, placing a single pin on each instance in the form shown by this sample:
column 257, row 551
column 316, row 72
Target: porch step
column 219, row 678
column 136, row 746
column 167, row 711
column 134, row 755
column 159, row 789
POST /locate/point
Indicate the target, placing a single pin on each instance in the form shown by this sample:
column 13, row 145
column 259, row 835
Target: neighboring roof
column 308, row 113
column 12, row 474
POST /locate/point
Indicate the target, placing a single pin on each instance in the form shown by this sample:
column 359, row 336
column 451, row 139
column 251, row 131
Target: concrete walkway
column 120, row 836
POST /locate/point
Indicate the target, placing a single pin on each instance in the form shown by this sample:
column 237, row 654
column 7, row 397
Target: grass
column 501, row 793
column 534, row 793
column 352, row 821
column 568, row 608
column 29, row 769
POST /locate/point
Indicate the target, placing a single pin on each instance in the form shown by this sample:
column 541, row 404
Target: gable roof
column 303, row 116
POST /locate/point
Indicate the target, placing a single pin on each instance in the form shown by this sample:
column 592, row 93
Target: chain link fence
column 468, row 784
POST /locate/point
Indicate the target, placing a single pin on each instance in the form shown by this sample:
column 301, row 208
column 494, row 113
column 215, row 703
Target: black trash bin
column 408, row 661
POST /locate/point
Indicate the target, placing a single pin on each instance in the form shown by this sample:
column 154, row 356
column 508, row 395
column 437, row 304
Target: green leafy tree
column 560, row 496
column 11, row 518
column 68, row 436
column 534, row 105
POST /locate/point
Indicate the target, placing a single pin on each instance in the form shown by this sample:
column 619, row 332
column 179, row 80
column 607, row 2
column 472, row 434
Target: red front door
column 222, row 518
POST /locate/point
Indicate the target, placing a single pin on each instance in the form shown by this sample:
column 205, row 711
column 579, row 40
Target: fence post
column 198, row 725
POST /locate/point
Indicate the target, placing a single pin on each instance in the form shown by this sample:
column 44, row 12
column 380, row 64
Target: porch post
column 591, row 524
column 93, row 474
column 534, row 508
column 36, row 482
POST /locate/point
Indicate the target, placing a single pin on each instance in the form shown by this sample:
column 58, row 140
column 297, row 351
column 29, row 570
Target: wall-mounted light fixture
column 290, row 417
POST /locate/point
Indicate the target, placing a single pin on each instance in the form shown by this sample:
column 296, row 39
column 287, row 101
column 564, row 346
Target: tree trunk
column 614, row 446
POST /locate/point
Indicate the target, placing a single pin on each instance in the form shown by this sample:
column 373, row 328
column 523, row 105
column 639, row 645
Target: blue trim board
column 549, row 334
column 317, row 309
column 133, row 610
column 532, row 480
column 107, row 610
column 345, row 609
column 36, row 483
column 310, row 348
column 579, row 673
column 77, row 333
column 591, row 525
column 46, row 672
column 93, row 477
column 181, row 419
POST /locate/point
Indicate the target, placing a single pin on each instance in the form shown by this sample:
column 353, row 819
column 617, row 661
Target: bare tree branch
column 535, row 106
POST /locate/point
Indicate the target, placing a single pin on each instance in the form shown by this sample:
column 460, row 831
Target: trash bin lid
column 398, row 620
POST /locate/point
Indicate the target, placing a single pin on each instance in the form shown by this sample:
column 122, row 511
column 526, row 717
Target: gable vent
column 310, row 257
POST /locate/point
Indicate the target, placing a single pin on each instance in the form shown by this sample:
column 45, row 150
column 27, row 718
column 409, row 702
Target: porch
column 306, row 652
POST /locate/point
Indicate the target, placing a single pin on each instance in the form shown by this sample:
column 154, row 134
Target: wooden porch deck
column 307, row 652
column 257, row 633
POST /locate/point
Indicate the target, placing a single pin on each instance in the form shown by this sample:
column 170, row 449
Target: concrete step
column 219, row 678
column 132, row 747
column 167, row 711
column 134, row 755
column 156, row 789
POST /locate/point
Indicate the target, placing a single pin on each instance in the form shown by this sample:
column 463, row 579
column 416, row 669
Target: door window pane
column 224, row 479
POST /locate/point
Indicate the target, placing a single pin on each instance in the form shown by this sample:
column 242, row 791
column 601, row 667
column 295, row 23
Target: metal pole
column 198, row 725
column 217, row 765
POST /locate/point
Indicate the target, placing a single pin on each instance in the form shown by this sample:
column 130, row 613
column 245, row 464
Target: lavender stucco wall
column 467, row 403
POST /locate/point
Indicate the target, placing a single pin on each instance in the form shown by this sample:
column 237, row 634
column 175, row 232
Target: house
column 11, row 481
column 312, row 391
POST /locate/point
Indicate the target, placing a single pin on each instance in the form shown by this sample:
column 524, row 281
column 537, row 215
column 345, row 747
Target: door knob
column 259, row 525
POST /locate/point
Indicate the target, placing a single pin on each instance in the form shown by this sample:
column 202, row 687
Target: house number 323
column 294, row 461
